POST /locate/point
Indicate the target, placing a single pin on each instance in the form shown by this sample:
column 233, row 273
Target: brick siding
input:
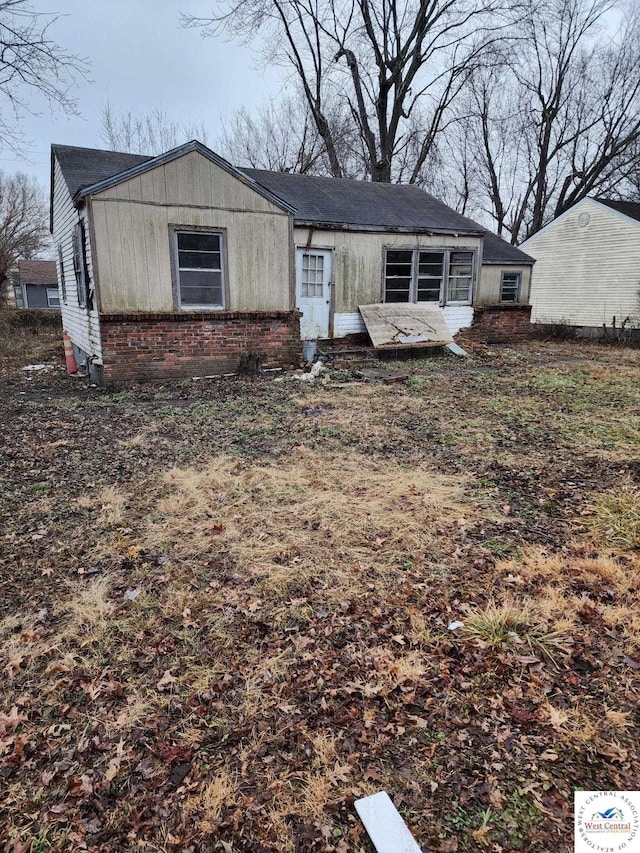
column 160, row 346
column 500, row 324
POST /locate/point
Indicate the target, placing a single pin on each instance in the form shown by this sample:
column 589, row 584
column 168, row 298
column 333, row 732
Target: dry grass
column 616, row 518
column 314, row 518
column 567, row 589
column 112, row 502
column 206, row 806
column 508, row 624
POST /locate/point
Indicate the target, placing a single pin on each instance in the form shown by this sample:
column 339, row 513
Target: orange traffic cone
column 69, row 357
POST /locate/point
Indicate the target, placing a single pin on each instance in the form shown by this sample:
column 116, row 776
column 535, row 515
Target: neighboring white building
column 588, row 266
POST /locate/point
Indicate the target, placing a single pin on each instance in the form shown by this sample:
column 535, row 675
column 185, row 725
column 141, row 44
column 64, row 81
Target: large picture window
column 428, row 275
column 200, row 269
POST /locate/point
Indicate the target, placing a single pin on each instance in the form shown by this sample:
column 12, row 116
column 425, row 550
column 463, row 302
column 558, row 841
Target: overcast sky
column 141, row 58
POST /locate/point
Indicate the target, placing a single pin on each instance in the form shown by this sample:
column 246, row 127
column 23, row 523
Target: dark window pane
column 399, row 257
column 199, row 242
column 201, row 296
column 435, row 259
column 200, row 288
column 428, row 294
column 199, row 260
column 398, row 284
column 461, row 258
column 398, row 269
column 397, row 296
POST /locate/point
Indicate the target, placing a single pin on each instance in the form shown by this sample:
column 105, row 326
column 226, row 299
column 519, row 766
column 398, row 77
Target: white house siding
column 586, row 275
column 490, row 288
column 133, row 249
column 82, row 326
column 358, row 270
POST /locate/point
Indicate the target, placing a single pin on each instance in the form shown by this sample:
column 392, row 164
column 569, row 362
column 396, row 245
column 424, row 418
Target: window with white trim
column 312, row 275
column 200, row 269
column 428, row 275
column 53, row 297
column 510, row 287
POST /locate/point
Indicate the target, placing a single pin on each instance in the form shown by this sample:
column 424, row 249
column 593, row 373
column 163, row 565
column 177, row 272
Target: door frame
column 332, row 288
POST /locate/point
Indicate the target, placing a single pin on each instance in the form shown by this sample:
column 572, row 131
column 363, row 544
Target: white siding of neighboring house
column 81, row 325
column 586, row 275
column 358, row 268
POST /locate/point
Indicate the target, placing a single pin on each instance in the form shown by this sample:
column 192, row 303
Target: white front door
column 313, row 292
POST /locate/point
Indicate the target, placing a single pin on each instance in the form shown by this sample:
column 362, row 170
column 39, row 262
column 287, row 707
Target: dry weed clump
column 317, row 518
column 615, row 518
column 568, row 590
column 503, row 624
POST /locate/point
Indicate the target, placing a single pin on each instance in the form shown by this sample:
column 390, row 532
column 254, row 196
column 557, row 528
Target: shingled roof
column 340, row 203
column 498, row 251
column 38, row 272
column 629, row 208
column 83, row 167
column 316, row 201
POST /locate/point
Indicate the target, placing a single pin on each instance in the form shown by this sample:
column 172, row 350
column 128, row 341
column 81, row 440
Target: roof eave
column 391, row 229
column 511, row 261
column 174, row 153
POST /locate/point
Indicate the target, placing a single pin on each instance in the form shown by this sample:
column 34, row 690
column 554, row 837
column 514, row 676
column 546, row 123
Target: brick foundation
column 160, row 346
column 500, row 324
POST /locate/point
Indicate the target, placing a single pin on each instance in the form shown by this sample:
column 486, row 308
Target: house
column 178, row 264
column 588, row 267
column 35, row 285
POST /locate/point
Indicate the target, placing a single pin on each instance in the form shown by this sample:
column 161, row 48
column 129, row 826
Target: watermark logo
column 607, row 821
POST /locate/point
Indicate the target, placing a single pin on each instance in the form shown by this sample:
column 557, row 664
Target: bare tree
column 281, row 137
column 23, row 222
column 151, row 133
column 393, row 67
column 31, row 62
column 559, row 119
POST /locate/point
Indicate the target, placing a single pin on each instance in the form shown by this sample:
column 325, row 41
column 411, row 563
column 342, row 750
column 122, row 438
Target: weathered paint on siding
column 81, row 325
column 132, row 219
column 586, row 275
column 491, row 283
column 358, row 260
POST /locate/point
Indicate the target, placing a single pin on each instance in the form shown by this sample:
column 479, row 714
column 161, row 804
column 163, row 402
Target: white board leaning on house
column 392, row 326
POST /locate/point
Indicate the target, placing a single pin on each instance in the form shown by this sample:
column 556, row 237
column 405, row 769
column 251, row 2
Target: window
column 80, row 266
column 312, row 275
column 53, row 298
column 428, row 275
column 19, row 295
column 510, row 290
column 63, row 283
column 398, row 276
column 200, row 274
